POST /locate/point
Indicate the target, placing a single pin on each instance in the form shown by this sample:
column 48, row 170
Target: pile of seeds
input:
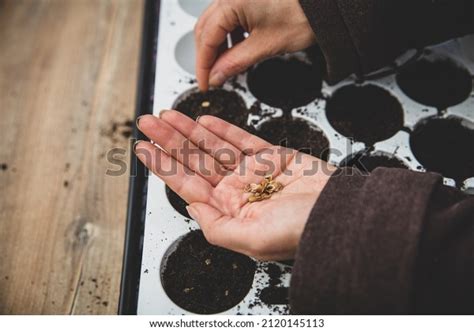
column 264, row 190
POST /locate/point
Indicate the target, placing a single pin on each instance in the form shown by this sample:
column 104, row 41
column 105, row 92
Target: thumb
column 238, row 58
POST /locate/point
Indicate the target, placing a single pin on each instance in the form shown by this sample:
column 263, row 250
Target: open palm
column 209, row 162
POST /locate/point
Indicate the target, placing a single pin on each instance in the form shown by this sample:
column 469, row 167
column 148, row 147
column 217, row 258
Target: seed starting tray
column 155, row 227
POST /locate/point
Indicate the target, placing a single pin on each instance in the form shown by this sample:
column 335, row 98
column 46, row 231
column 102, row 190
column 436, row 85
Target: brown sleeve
column 393, row 242
column 359, row 36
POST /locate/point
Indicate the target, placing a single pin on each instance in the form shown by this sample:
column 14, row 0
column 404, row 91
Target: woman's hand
column 274, row 26
column 212, row 178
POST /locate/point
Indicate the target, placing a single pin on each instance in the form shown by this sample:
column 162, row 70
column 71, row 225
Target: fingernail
column 135, row 145
column 138, row 120
column 197, row 118
column 217, row 79
column 162, row 112
column 192, row 212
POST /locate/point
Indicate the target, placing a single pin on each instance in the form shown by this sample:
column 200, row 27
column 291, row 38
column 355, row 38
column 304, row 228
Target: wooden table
column 68, row 71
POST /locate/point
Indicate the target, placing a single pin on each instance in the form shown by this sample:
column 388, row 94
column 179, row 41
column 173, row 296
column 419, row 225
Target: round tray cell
column 436, row 81
column 445, row 145
column 224, row 104
column 185, row 53
column 178, row 204
column 296, row 133
column 365, row 113
column 285, row 83
column 194, row 7
column 205, row 279
column 370, row 162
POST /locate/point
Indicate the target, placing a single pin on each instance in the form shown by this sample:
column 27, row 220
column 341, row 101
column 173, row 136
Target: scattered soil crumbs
column 275, row 295
column 119, row 130
column 274, row 273
column 365, row 113
column 297, row 134
column 436, row 81
column 221, row 103
column 285, row 84
column 4, row 166
column 445, row 146
column 206, row 279
column 368, row 163
column 178, row 204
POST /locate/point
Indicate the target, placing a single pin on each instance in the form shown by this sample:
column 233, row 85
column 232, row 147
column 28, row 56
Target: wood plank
column 68, row 74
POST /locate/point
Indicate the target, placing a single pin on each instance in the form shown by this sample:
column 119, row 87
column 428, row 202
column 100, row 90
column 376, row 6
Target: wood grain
column 68, row 72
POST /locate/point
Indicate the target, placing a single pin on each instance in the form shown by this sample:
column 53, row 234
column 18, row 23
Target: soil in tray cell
column 275, row 295
column 445, row 145
column 365, row 113
column 285, row 83
column 368, row 163
column 297, row 134
column 178, row 204
column 205, row 279
column 436, row 81
column 224, row 104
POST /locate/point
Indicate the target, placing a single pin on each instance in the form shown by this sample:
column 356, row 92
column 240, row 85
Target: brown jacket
column 394, row 242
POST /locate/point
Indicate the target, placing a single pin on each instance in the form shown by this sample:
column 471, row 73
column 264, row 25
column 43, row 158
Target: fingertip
column 217, row 79
column 135, row 145
column 203, row 87
column 143, row 150
column 203, row 82
column 192, row 212
column 145, row 120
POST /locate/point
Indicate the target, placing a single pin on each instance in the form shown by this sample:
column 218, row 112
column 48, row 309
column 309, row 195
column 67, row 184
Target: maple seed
column 205, row 104
column 264, row 190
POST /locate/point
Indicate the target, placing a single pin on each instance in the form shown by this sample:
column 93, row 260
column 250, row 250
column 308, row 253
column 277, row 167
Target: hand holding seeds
column 246, row 194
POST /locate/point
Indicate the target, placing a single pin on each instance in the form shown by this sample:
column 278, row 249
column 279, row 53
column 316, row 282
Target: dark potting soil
column 178, row 204
column 274, row 295
column 365, row 113
column 445, row 146
column 368, row 163
column 206, row 279
column 316, row 57
column 221, row 103
column 285, row 84
column 274, row 273
column 288, row 263
column 297, row 134
column 436, row 81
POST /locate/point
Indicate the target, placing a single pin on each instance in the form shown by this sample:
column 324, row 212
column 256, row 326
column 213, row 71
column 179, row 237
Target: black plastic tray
column 138, row 174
